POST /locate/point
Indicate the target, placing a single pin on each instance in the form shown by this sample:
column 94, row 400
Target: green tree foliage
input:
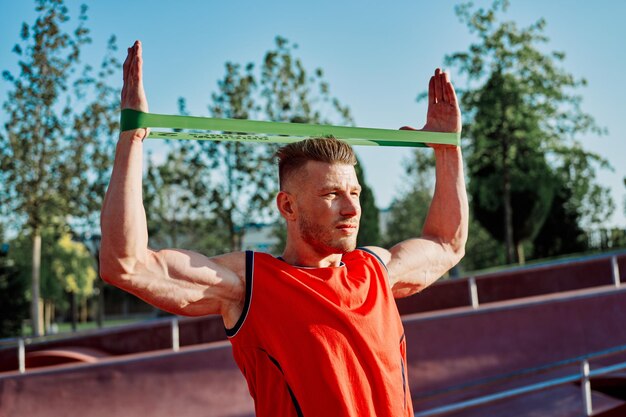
column 482, row 251
column 369, row 229
column 67, row 267
column 523, row 119
column 554, row 239
column 94, row 131
column 407, row 213
column 239, row 180
column 248, row 184
column 179, row 207
column 34, row 152
column 52, row 159
column 13, row 302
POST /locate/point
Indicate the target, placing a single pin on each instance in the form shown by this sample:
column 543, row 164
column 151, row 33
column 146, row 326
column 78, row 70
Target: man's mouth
column 347, row 226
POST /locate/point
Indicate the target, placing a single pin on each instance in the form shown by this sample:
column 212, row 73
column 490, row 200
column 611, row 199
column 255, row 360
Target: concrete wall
column 200, row 381
column 464, row 346
column 516, row 283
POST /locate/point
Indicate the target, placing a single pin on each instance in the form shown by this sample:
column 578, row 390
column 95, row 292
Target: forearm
column 447, row 219
column 123, row 218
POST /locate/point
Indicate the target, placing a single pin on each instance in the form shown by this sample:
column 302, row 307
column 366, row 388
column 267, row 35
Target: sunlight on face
column 328, row 207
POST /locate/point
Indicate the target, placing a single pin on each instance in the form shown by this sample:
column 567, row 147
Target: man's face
column 327, row 200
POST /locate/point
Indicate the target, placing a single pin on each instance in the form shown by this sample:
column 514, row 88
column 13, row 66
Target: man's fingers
column 126, row 65
column 451, row 94
column 445, row 83
column 135, row 65
column 139, row 66
column 131, row 73
column 438, row 86
column 431, row 91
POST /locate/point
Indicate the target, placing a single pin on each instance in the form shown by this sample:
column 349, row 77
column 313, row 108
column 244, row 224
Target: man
column 315, row 332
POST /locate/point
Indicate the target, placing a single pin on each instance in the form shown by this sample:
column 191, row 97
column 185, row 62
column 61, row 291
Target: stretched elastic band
column 276, row 132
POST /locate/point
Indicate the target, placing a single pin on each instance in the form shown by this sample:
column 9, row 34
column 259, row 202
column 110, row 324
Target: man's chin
column 345, row 246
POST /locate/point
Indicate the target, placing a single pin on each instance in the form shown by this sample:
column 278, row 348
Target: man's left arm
column 416, row 263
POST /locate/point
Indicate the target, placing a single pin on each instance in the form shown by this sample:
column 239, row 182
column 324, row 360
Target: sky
column 377, row 57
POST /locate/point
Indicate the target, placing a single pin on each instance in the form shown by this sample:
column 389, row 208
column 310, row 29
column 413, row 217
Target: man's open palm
column 443, row 108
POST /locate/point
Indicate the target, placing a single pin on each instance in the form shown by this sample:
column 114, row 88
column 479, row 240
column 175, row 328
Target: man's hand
column 443, row 114
column 133, row 94
column 443, row 108
column 416, row 263
column 179, row 281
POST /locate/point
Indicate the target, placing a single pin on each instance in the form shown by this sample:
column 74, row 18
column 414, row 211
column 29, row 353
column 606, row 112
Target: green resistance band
column 276, row 132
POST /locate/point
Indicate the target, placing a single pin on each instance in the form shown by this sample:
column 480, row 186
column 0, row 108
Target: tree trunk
column 47, row 309
column 508, row 210
column 232, row 233
column 74, row 311
column 84, row 311
column 521, row 256
column 100, row 288
column 37, row 324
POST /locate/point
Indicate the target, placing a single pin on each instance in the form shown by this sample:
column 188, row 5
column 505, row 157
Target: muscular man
column 316, row 331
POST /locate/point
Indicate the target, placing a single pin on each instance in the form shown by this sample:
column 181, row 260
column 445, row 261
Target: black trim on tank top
column 403, row 366
column 374, row 255
column 280, row 258
column 293, row 396
column 249, row 275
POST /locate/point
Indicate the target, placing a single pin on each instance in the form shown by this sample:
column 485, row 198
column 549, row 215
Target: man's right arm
column 178, row 281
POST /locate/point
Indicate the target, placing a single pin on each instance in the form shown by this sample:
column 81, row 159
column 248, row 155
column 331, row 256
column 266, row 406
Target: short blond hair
column 295, row 155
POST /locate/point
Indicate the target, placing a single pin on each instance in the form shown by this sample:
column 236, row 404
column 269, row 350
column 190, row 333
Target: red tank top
column 321, row 341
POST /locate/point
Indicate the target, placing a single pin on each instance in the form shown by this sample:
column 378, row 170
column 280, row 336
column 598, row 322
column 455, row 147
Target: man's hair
column 295, row 155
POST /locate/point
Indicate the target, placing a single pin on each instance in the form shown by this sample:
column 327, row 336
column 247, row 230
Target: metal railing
column 472, row 285
column 21, row 342
column 584, row 377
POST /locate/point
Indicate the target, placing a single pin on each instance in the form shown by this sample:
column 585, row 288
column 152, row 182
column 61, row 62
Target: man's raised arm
column 182, row 282
column 416, row 263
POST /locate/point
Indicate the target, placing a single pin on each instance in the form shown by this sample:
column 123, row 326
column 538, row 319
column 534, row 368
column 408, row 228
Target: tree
column 72, row 266
column 33, row 152
column 241, row 180
column 94, row 131
column 13, row 302
column 53, row 158
column 369, row 228
column 554, row 239
column 503, row 159
column 523, row 119
column 176, row 197
column 407, row 213
column 67, row 269
column 482, row 251
column 248, row 183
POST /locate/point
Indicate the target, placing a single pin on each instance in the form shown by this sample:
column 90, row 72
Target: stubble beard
column 322, row 241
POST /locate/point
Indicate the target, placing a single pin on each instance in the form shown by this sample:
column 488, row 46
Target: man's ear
column 286, row 205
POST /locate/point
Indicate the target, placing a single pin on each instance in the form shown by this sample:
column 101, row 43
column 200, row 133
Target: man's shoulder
column 233, row 261
column 381, row 255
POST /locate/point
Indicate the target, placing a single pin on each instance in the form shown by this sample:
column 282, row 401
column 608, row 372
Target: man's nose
column 350, row 207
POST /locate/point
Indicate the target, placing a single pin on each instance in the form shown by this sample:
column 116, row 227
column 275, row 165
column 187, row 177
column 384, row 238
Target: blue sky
column 377, row 56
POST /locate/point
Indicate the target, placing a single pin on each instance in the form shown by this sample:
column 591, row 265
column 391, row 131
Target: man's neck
column 310, row 259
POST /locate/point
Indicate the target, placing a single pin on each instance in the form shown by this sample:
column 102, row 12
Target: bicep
column 188, row 283
column 414, row 264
